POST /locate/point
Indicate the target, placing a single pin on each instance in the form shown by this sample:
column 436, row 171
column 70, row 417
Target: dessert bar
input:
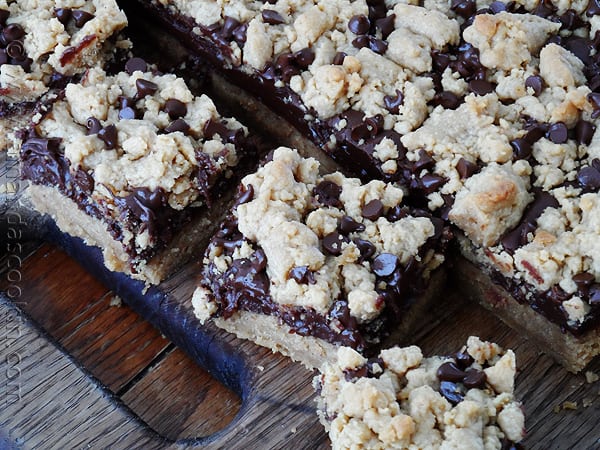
column 45, row 43
column 399, row 399
column 131, row 163
column 306, row 262
column 486, row 112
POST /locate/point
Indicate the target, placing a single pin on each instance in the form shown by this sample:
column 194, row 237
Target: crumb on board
column 569, row 405
column 261, row 368
column 116, row 301
column 587, row 402
column 591, row 377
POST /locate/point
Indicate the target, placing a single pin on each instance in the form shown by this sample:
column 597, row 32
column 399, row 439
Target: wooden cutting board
column 51, row 399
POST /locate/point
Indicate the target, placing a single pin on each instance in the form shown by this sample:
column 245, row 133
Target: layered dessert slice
column 136, row 164
column 399, row 399
column 306, row 262
column 42, row 45
column 485, row 111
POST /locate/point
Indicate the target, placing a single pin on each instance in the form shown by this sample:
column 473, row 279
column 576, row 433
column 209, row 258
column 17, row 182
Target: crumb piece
column 591, row 377
column 587, row 402
column 556, row 409
column 569, row 405
column 116, row 301
column 204, row 306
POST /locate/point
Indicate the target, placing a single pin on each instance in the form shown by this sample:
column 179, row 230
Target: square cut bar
column 404, row 401
column 136, row 164
column 306, row 263
column 486, row 112
column 43, row 44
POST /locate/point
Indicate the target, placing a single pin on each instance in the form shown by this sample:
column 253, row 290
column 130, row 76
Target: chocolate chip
column 594, row 294
column 580, row 47
column 109, row 135
column 431, row 182
column 425, row 161
column 570, row 20
column 497, row 7
column 447, row 99
column 536, row 83
column 127, row 113
column 328, row 193
column 584, row 132
column 474, row 379
column 349, row 225
column 359, row 24
column 333, row 243
column 535, row 133
column 63, row 15
column 16, row 50
column 481, row 87
column 93, row 125
column 584, row 280
column 545, row 8
column 558, row 133
column 338, row 59
column 145, row 87
column 4, row 15
column 589, row 179
column 175, row 108
column 361, row 41
column 135, row 64
column 272, row 17
column 81, row 17
column 522, row 148
column 178, row 125
column 367, row 249
column 386, row 25
column 385, row 264
column 304, row 57
column 372, row 210
column 393, row 102
column 464, row 8
column 245, row 195
column 377, row 45
column 25, row 63
column 465, row 168
column 594, row 99
column 463, row 359
column 302, row 275
column 453, row 392
column 239, row 34
column 13, row 32
column 593, row 8
column 517, row 236
column 229, row 25
column 449, row 371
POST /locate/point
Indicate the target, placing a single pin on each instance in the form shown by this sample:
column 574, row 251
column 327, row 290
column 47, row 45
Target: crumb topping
column 402, row 400
column 47, row 37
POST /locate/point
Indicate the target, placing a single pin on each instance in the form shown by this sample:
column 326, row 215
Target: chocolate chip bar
column 486, row 112
column 306, row 263
column 45, row 43
column 131, row 163
column 399, row 399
